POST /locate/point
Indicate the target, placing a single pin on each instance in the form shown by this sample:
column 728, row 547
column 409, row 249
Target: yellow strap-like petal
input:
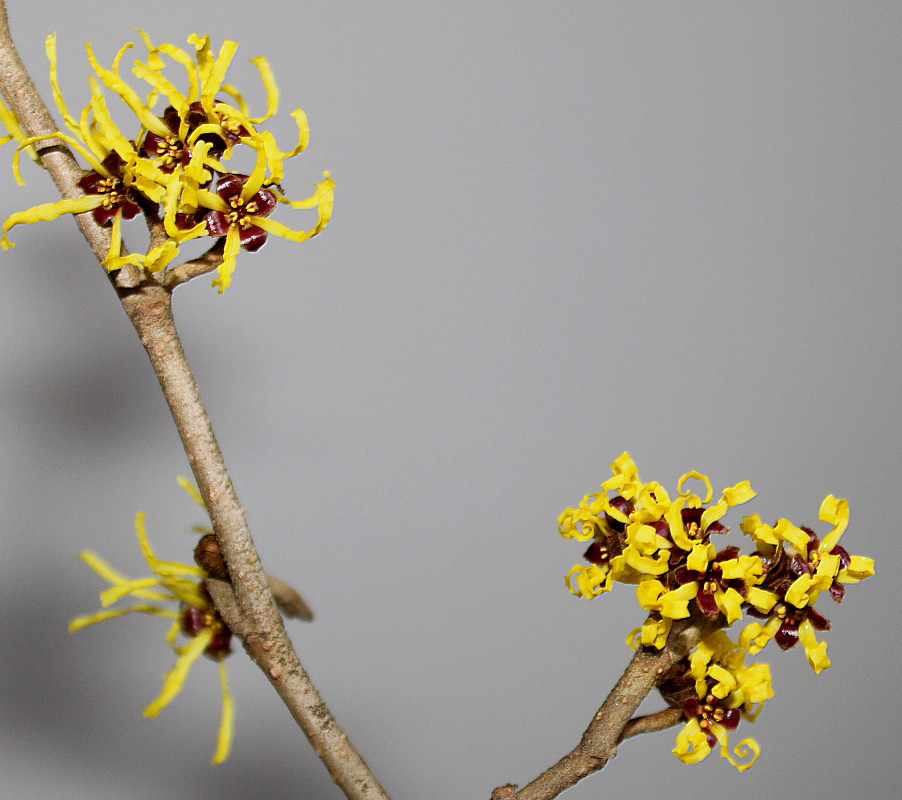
column 104, row 570
column 114, row 593
column 173, row 680
column 590, row 581
column 278, row 229
column 322, row 198
column 233, row 92
column 269, row 84
column 203, row 55
column 303, row 134
column 229, row 256
column 799, row 592
column 675, row 604
column 115, row 240
column 761, row 599
column 655, row 632
column 213, row 201
column 128, row 95
column 110, row 131
column 226, row 721
column 50, row 47
column 47, row 212
column 164, row 87
column 190, row 66
column 78, row 623
column 168, row 568
column 117, row 59
column 258, row 174
column 191, row 490
column 725, row 681
column 216, row 76
column 174, row 631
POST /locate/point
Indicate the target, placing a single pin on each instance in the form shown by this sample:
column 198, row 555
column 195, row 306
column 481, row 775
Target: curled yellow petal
column 269, row 84
column 700, row 556
column 787, row 532
column 697, row 476
column 577, row 523
column 815, row 651
column 691, row 743
column 647, row 565
column 733, row 496
column 730, row 604
column 834, row 510
column 759, row 531
column 742, row 750
column 589, row 581
column 799, row 592
column 675, row 603
column 725, row 682
column 755, row 635
column 655, row 632
column 761, row 599
column 303, row 133
column 860, row 567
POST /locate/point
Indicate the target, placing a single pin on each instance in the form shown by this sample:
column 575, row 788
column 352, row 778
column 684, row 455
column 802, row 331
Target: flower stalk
column 614, row 720
column 147, row 300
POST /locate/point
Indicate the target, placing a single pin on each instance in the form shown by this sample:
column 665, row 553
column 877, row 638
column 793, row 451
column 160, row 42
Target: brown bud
column 288, row 599
column 208, row 557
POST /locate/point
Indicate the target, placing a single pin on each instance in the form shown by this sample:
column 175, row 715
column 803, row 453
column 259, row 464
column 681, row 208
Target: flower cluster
column 174, row 170
column 715, row 689
column 194, row 616
column 640, row 536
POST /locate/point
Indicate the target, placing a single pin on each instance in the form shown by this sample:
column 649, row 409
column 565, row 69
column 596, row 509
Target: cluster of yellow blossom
column 195, row 618
column 174, row 169
column 640, row 536
column 715, row 689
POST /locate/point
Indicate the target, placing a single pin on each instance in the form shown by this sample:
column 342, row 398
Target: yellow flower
column 799, row 567
column 639, row 534
column 725, row 691
column 167, row 170
column 193, row 614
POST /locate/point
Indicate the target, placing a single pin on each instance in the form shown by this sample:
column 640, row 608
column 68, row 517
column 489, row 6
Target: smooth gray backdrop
column 562, row 230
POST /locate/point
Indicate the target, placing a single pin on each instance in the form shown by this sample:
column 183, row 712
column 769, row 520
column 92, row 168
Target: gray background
column 562, row 230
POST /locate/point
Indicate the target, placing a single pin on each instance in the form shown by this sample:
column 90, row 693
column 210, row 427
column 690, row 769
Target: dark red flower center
column 171, row 151
column 116, row 195
column 709, row 713
column 788, row 634
column 195, row 620
column 240, row 213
